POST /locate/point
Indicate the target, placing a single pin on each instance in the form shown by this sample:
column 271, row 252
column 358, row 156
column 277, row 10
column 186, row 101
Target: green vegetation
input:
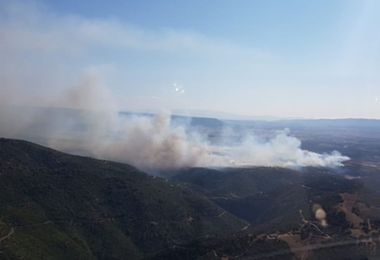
column 69, row 207
column 58, row 206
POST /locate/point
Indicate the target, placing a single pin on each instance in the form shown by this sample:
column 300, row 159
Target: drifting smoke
column 151, row 143
column 42, row 53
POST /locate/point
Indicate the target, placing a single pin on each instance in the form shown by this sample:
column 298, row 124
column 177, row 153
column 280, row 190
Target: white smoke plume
column 282, row 150
column 41, row 54
column 151, row 143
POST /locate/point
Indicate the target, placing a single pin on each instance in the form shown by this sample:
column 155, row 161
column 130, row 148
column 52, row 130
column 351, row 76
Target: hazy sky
column 279, row 58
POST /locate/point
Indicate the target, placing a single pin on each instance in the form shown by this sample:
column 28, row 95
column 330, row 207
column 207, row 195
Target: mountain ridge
column 70, row 207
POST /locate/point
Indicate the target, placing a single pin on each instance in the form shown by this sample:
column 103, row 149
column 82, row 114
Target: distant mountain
column 58, row 206
column 224, row 115
column 40, row 121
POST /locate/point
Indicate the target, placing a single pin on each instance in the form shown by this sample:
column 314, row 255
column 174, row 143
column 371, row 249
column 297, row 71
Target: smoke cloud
column 42, row 53
column 93, row 126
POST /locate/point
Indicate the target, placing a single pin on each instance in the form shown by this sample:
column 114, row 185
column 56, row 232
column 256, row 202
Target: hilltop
column 68, row 207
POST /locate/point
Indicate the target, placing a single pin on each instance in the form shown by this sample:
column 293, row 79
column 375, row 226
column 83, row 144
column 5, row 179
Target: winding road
column 11, row 232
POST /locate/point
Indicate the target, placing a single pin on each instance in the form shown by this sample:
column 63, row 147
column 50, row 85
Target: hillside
column 58, row 206
column 271, row 198
column 281, row 205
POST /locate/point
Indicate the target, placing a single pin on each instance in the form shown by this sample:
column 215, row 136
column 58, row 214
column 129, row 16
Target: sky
column 308, row 59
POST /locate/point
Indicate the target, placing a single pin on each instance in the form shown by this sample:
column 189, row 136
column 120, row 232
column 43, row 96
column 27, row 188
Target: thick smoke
column 93, row 126
column 282, row 150
column 43, row 52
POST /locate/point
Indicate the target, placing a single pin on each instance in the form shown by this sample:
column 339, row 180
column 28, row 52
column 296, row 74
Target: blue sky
column 314, row 59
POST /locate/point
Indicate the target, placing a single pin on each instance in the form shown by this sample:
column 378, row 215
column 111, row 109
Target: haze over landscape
column 298, row 59
column 116, row 62
column 189, row 129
